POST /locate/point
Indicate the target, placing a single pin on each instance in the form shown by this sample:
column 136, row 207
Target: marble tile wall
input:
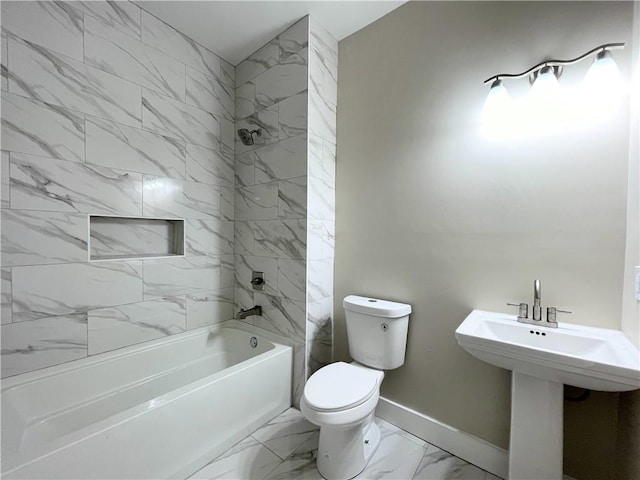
column 271, row 187
column 323, row 76
column 106, row 110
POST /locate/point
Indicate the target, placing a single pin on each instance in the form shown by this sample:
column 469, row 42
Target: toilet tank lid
column 376, row 307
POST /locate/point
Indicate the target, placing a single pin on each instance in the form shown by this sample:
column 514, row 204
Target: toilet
column 341, row 397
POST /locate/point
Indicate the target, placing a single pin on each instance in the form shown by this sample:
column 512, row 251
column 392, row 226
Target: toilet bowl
column 341, row 397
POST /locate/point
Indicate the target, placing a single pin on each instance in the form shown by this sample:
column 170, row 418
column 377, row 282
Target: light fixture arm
column 556, row 63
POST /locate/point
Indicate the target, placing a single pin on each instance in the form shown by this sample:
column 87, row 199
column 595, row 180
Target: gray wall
column 430, row 212
column 107, row 110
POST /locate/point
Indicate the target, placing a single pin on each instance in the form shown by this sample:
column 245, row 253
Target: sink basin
column 587, row 357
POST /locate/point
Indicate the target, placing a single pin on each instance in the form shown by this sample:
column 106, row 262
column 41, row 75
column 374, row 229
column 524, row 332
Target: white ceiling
column 235, row 29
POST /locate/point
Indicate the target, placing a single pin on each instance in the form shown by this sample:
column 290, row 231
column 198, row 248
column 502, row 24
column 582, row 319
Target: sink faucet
column 255, row 310
column 537, row 309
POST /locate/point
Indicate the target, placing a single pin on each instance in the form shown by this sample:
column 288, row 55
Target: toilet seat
column 340, row 386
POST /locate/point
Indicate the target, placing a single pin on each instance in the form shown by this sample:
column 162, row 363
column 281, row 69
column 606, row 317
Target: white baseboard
column 461, row 444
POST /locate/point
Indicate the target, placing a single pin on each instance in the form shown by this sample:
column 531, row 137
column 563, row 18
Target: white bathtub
column 160, row 410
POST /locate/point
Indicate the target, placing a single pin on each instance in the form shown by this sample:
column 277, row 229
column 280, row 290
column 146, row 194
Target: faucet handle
column 551, row 314
column 523, row 311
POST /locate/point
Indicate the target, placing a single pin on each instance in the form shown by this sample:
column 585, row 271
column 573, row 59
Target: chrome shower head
column 246, row 135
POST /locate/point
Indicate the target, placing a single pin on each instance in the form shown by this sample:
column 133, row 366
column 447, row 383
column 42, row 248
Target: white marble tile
column 167, row 116
column 209, row 237
column 179, row 276
column 245, row 100
column 227, row 136
column 177, row 45
column 329, row 163
column 258, row 62
column 322, row 118
column 244, row 169
column 396, row 457
column 281, row 315
column 227, row 203
column 47, row 290
column 205, row 308
column 33, row 127
column 258, row 202
column 121, row 16
column 323, row 44
column 438, row 464
column 321, row 200
column 319, row 338
column 120, row 54
column 387, row 428
column 301, row 465
column 248, row 460
column 285, row 433
column 315, row 232
column 293, row 115
column 209, row 166
column 162, row 197
column 227, row 73
column 4, row 73
column 280, row 82
column 28, row 346
column 315, row 157
column 210, row 94
column 202, row 201
column 111, row 236
column 227, row 271
column 54, row 25
column 244, row 238
column 294, row 38
column 118, row 146
column 117, row 327
column 6, row 314
column 32, row 238
column 292, row 198
column 319, row 279
column 5, row 181
column 58, row 80
column 281, row 238
column 281, row 160
column 245, row 264
column 323, row 79
column 266, row 121
column 40, row 183
column 292, row 279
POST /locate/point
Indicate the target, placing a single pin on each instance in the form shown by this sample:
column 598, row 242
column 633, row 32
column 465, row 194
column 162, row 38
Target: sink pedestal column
column 535, row 444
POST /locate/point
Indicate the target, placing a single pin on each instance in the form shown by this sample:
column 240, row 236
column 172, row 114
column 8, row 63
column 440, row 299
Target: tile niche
column 112, row 238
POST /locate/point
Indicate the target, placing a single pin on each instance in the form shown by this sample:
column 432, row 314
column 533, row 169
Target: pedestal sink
column 542, row 360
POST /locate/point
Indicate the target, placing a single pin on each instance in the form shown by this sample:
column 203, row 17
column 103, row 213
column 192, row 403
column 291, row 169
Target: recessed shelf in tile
column 118, row 238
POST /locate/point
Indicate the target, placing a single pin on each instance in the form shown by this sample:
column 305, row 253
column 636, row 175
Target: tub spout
column 256, row 310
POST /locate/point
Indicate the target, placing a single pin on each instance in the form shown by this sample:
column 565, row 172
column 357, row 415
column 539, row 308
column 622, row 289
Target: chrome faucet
column 255, row 310
column 537, row 309
column 536, row 319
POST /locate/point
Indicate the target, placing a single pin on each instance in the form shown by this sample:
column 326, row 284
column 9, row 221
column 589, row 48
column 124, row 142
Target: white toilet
column 341, row 397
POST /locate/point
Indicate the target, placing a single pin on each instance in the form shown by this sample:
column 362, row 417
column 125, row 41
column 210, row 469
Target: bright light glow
column 602, row 89
column 497, row 109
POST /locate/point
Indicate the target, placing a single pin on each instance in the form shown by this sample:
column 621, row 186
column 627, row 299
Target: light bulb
column 546, row 84
column 603, row 73
column 496, row 114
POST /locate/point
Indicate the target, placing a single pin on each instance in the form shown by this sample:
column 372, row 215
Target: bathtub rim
column 28, row 377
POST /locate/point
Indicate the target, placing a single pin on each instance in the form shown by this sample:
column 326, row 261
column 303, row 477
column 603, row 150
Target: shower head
column 246, row 136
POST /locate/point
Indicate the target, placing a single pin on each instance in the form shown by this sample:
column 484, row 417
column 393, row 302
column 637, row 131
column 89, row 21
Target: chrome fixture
column 536, row 319
column 603, row 58
column 246, row 135
column 256, row 310
column 257, row 280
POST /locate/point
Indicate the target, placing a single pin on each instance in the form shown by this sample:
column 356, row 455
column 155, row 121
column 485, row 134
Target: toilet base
column 343, row 452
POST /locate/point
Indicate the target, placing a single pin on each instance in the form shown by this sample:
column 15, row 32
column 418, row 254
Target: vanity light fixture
column 600, row 87
column 544, row 70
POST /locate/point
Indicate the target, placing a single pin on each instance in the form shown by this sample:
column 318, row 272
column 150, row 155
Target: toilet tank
column 377, row 331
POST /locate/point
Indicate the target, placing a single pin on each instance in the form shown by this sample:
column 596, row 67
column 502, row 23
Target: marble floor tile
column 249, row 460
column 285, row 433
column 438, row 464
column 301, row 465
